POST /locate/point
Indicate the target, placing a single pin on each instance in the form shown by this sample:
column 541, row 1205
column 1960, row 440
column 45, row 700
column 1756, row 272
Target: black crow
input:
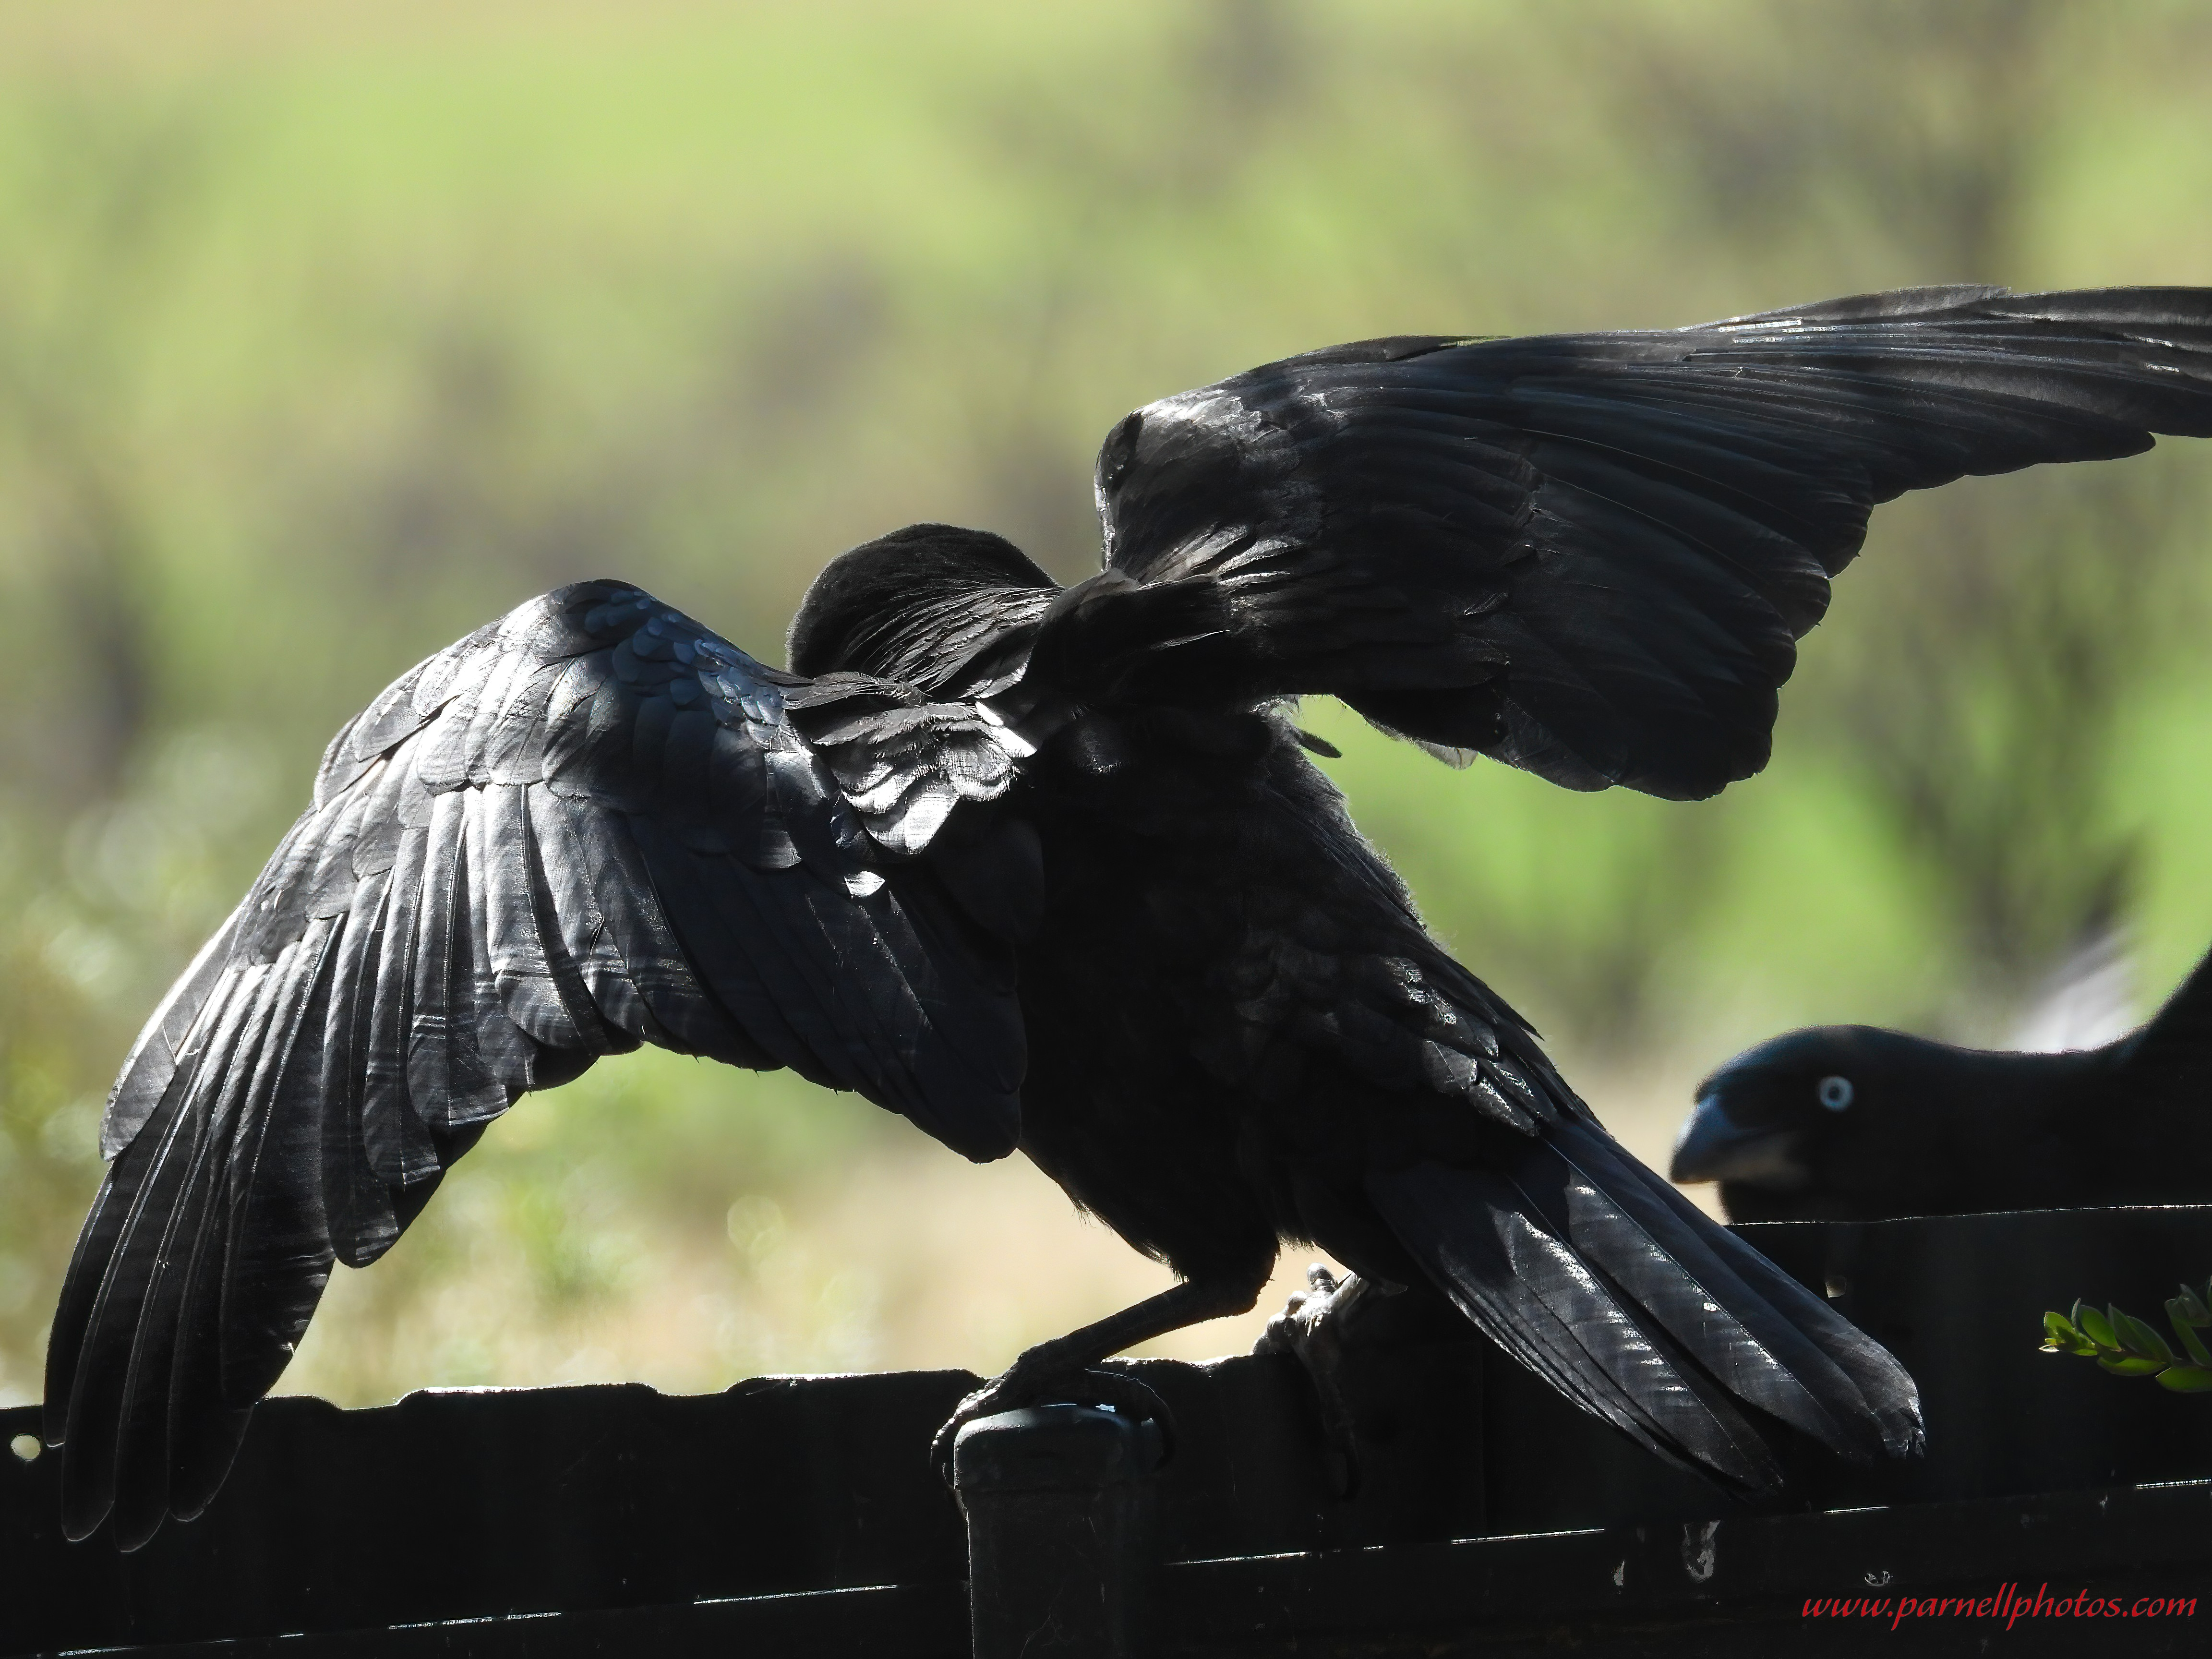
column 1048, row 868
column 1853, row 1123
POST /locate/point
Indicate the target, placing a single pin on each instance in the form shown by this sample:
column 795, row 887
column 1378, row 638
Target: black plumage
column 1047, row 867
column 1854, row 1123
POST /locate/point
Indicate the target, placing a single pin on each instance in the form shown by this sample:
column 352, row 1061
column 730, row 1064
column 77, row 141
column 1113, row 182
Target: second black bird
column 1855, row 1123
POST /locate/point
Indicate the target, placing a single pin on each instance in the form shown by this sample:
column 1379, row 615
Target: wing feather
column 1592, row 555
column 589, row 825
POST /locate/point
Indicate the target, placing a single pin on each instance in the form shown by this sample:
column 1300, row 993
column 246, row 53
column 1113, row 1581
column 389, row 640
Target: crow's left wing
column 589, row 825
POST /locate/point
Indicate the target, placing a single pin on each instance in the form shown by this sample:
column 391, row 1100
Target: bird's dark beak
column 1714, row 1146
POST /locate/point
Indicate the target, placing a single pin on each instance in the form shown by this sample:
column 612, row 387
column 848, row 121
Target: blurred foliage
column 329, row 331
column 2127, row 1347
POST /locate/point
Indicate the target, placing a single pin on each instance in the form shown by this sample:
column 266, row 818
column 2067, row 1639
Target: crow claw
column 1015, row 1388
column 1311, row 1329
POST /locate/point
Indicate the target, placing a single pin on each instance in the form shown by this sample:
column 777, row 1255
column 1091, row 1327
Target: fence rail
column 799, row 1514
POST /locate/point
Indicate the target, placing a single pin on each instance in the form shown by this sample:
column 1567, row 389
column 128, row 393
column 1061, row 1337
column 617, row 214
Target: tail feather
column 1796, row 1358
column 1601, row 1280
column 1536, row 1296
column 1690, row 1295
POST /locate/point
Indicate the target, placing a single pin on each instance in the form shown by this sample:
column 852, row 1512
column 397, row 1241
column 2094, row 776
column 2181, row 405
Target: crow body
column 1047, row 868
column 1854, row 1123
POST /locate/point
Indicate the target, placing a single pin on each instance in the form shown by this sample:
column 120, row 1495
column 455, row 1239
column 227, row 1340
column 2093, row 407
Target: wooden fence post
column 1063, row 1551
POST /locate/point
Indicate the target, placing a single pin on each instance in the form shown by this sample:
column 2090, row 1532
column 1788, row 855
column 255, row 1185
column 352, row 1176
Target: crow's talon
column 1311, row 1329
column 1015, row 1388
column 1302, row 1311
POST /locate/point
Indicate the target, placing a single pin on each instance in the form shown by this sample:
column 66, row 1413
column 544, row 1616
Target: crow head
column 926, row 605
column 1835, row 1121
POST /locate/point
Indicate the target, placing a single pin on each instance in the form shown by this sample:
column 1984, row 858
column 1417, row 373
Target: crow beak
column 1714, row 1146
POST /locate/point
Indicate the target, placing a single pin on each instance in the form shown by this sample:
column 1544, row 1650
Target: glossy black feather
column 588, row 826
column 1535, row 1295
column 1591, row 555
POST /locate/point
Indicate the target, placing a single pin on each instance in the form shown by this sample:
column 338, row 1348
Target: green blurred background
column 329, row 331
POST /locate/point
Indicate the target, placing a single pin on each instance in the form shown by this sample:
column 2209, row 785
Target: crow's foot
column 1312, row 1327
column 1037, row 1378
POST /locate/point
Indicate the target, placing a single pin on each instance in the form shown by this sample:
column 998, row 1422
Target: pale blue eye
column 1835, row 1093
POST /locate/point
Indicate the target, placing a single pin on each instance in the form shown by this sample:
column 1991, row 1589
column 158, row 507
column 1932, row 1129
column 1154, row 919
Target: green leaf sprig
column 2127, row 1347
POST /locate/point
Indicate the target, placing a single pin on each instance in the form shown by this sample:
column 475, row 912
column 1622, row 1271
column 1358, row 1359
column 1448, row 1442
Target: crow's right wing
column 1591, row 554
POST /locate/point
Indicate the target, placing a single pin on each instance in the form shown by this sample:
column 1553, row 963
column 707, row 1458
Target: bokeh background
column 329, row 331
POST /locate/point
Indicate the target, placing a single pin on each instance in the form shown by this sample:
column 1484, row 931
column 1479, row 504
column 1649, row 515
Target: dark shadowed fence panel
column 801, row 1515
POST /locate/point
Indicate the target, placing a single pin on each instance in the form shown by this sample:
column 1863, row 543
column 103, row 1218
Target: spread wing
column 1591, row 555
column 590, row 825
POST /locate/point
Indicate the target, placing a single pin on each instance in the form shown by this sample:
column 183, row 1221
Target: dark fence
column 800, row 1516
